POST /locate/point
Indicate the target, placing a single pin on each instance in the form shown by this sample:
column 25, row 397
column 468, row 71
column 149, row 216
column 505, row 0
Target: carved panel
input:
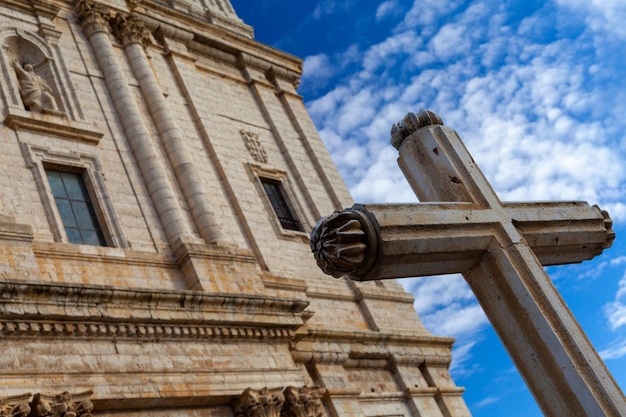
column 254, row 145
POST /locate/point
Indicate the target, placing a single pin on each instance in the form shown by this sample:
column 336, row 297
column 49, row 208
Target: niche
column 34, row 79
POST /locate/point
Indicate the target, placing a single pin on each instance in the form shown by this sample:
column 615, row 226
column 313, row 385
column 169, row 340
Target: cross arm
column 562, row 232
column 381, row 241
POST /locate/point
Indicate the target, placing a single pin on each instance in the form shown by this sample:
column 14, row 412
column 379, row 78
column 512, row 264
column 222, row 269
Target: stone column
column 130, row 31
column 93, row 19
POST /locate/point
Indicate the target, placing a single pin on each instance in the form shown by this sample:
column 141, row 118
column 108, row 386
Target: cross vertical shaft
column 549, row 348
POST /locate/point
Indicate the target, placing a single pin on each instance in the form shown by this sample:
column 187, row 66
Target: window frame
column 288, row 217
column 39, row 158
column 280, row 178
column 75, row 198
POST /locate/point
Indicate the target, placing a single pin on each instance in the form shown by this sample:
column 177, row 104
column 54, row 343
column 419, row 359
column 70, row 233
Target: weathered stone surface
column 173, row 114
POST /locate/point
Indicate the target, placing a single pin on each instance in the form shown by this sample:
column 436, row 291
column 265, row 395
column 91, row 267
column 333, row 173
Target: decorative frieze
column 152, row 332
column 279, row 402
column 40, row 405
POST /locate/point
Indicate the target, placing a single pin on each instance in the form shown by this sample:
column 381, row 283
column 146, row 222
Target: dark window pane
column 65, row 210
column 56, row 184
column 83, row 215
column 280, row 206
column 74, row 185
column 92, row 237
column 72, row 199
column 73, row 235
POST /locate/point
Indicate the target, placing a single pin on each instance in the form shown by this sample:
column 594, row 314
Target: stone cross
column 461, row 226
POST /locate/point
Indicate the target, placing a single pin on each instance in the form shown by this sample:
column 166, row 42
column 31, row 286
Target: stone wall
column 172, row 114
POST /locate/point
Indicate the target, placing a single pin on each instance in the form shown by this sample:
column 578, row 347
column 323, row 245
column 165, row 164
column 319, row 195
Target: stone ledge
column 19, row 119
column 220, row 252
column 52, row 304
column 377, row 349
column 9, row 230
column 60, row 250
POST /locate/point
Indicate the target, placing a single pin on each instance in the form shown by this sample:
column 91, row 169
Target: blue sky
column 536, row 89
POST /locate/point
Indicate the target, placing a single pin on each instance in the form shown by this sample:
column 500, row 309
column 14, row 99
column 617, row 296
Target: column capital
column 129, row 29
column 93, row 17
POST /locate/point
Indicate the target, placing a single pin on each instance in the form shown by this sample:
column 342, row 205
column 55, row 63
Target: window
column 75, row 208
column 280, row 206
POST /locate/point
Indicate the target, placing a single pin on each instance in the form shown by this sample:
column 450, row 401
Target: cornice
column 31, row 329
column 35, row 309
column 414, row 339
column 370, row 349
column 229, row 46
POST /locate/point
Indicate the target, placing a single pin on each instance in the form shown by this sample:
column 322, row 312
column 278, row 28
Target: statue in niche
column 35, row 91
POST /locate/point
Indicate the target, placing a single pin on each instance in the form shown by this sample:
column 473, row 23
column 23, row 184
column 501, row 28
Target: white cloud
column 505, row 114
column 600, row 15
column 317, row 70
column 446, row 305
column 615, row 311
column 326, row 7
column 462, row 365
column 616, row 351
column 386, row 9
column 542, row 117
column 485, row 402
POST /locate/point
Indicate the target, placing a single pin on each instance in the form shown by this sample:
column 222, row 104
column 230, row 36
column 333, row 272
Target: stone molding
column 62, row 127
column 280, row 402
column 373, row 349
column 41, row 405
column 88, row 311
column 151, row 332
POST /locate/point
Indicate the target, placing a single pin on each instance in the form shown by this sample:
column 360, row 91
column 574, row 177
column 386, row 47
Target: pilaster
column 130, row 30
column 95, row 22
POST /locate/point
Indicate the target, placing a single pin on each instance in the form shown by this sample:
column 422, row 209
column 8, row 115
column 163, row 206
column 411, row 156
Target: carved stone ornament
column 93, row 17
column 303, row 402
column 341, row 245
column 34, row 90
column 279, row 402
column 62, row 405
column 130, row 29
column 15, row 406
column 411, row 123
column 262, row 403
column 254, row 145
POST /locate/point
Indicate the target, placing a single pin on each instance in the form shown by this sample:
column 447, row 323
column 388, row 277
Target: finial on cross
column 461, row 226
column 411, row 123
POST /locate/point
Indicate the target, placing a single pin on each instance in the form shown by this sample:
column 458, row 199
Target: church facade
column 160, row 179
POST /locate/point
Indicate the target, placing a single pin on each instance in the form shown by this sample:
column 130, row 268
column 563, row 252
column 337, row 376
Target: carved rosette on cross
column 346, row 242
